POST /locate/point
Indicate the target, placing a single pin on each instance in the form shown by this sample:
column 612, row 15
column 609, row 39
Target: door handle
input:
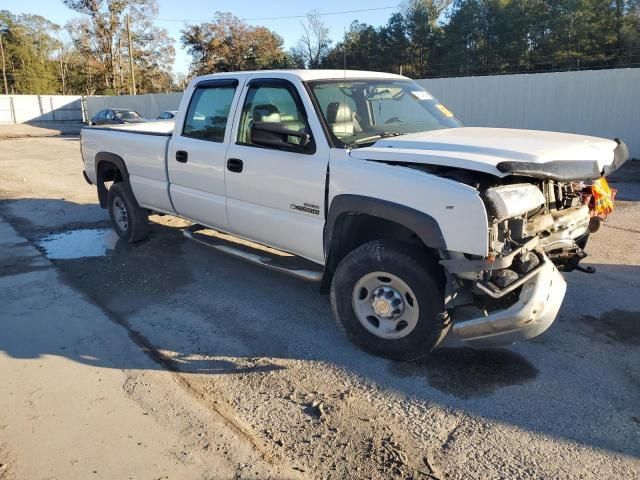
column 234, row 165
column 182, row 156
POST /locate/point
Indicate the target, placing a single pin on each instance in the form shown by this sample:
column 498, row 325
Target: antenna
column 344, row 69
column 344, row 53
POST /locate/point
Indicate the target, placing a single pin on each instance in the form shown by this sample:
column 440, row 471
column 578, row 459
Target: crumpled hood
column 502, row 151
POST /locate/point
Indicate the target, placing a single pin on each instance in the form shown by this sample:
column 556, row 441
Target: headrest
column 266, row 113
column 216, row 120
column 338, row 112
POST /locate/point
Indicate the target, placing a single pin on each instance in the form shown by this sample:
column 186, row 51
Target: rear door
column 275, row 194
column 196, row 156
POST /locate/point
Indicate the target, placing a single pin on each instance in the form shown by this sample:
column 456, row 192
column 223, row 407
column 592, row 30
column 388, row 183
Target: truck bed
column 143, row 148
column 148, row 128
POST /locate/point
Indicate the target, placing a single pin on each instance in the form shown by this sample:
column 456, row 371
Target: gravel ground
column 40, row 129
column 264, row 348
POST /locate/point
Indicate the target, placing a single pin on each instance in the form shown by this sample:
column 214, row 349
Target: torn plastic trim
column 567, row 170
column 559, row 170
column 620, row 156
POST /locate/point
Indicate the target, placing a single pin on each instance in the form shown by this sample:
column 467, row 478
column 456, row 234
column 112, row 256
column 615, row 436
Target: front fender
column 447, row 213
column 424, row 225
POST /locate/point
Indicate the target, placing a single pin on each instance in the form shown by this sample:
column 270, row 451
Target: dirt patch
column 467, row 372
column 5, row 463
column 619, row 326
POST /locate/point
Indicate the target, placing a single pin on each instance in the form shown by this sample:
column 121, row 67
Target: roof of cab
column 304, row 75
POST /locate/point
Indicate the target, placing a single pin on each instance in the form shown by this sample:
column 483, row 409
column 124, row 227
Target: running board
column 269, row 258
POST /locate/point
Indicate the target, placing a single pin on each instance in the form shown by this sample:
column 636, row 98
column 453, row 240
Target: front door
column 275, row 193
column 196, row 156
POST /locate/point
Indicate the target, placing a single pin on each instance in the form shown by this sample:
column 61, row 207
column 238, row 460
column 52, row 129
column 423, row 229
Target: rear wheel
column 130, row 222
column 388, row 298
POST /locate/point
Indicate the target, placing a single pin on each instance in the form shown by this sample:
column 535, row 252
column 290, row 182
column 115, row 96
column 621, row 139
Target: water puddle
column 79, row 243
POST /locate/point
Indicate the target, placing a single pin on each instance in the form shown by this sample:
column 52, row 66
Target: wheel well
column 109, row 168
column 352, row 230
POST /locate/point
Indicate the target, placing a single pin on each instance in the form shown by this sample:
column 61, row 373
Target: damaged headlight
column 510, row 201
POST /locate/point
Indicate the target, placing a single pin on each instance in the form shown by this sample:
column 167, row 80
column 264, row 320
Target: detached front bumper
column 534, row 312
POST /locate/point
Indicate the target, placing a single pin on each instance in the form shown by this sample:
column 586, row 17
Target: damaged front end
column 537, row 229
column 544, row 194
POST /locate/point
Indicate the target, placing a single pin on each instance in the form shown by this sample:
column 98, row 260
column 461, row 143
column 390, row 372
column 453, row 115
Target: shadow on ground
column 202, row 312
column 40, row 129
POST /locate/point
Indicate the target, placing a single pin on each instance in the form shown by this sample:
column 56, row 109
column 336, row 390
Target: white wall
column 603, row 103
column 41, row 108
column 148, row 105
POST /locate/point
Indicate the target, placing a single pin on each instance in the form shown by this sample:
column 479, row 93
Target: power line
column 288, row 17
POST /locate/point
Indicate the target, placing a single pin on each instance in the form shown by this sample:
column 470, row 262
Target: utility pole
column 133, row 75
column 62, row 75
column 4, row 68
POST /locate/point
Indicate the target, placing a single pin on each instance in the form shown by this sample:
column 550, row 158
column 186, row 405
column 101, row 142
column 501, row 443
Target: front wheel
column 388, row 297
column 130, row 222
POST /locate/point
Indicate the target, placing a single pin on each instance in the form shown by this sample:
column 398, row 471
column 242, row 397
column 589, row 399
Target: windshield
column 359, row 112
column 127, row 115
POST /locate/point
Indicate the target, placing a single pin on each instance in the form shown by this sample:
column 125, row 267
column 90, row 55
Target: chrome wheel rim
column 385, row 305
column 120, row 214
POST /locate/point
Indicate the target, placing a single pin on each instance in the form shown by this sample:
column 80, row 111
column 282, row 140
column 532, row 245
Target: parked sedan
column 167, row 115
column 116, row 116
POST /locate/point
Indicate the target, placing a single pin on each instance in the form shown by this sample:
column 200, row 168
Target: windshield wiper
column 377, row 136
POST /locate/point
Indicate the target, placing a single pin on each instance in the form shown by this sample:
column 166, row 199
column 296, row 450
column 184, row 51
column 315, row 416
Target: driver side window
column 272, row 104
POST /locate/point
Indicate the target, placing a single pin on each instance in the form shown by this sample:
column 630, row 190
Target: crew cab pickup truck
column 364, row 182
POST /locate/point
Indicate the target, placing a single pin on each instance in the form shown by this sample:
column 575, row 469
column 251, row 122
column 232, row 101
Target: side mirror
column 276, row 135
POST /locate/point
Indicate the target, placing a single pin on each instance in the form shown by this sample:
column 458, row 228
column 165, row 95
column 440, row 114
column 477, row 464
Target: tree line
column 435, row 38
column 478, row 37
column 424, row 38
column 90, row 54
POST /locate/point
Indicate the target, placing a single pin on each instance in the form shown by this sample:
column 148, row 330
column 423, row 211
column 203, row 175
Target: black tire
column 416, row 269
column 135, row 226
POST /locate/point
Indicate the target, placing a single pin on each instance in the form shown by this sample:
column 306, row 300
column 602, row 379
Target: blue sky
column 172, row 13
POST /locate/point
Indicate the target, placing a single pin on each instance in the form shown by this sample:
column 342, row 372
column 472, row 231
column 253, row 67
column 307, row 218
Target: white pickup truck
column 362, row 181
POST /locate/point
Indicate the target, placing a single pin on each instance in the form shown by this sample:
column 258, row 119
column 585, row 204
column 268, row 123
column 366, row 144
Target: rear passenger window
column 208, row 113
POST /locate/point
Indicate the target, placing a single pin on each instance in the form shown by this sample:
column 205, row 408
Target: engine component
column 510, row 201
column 504, row 278
column 526, row 262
